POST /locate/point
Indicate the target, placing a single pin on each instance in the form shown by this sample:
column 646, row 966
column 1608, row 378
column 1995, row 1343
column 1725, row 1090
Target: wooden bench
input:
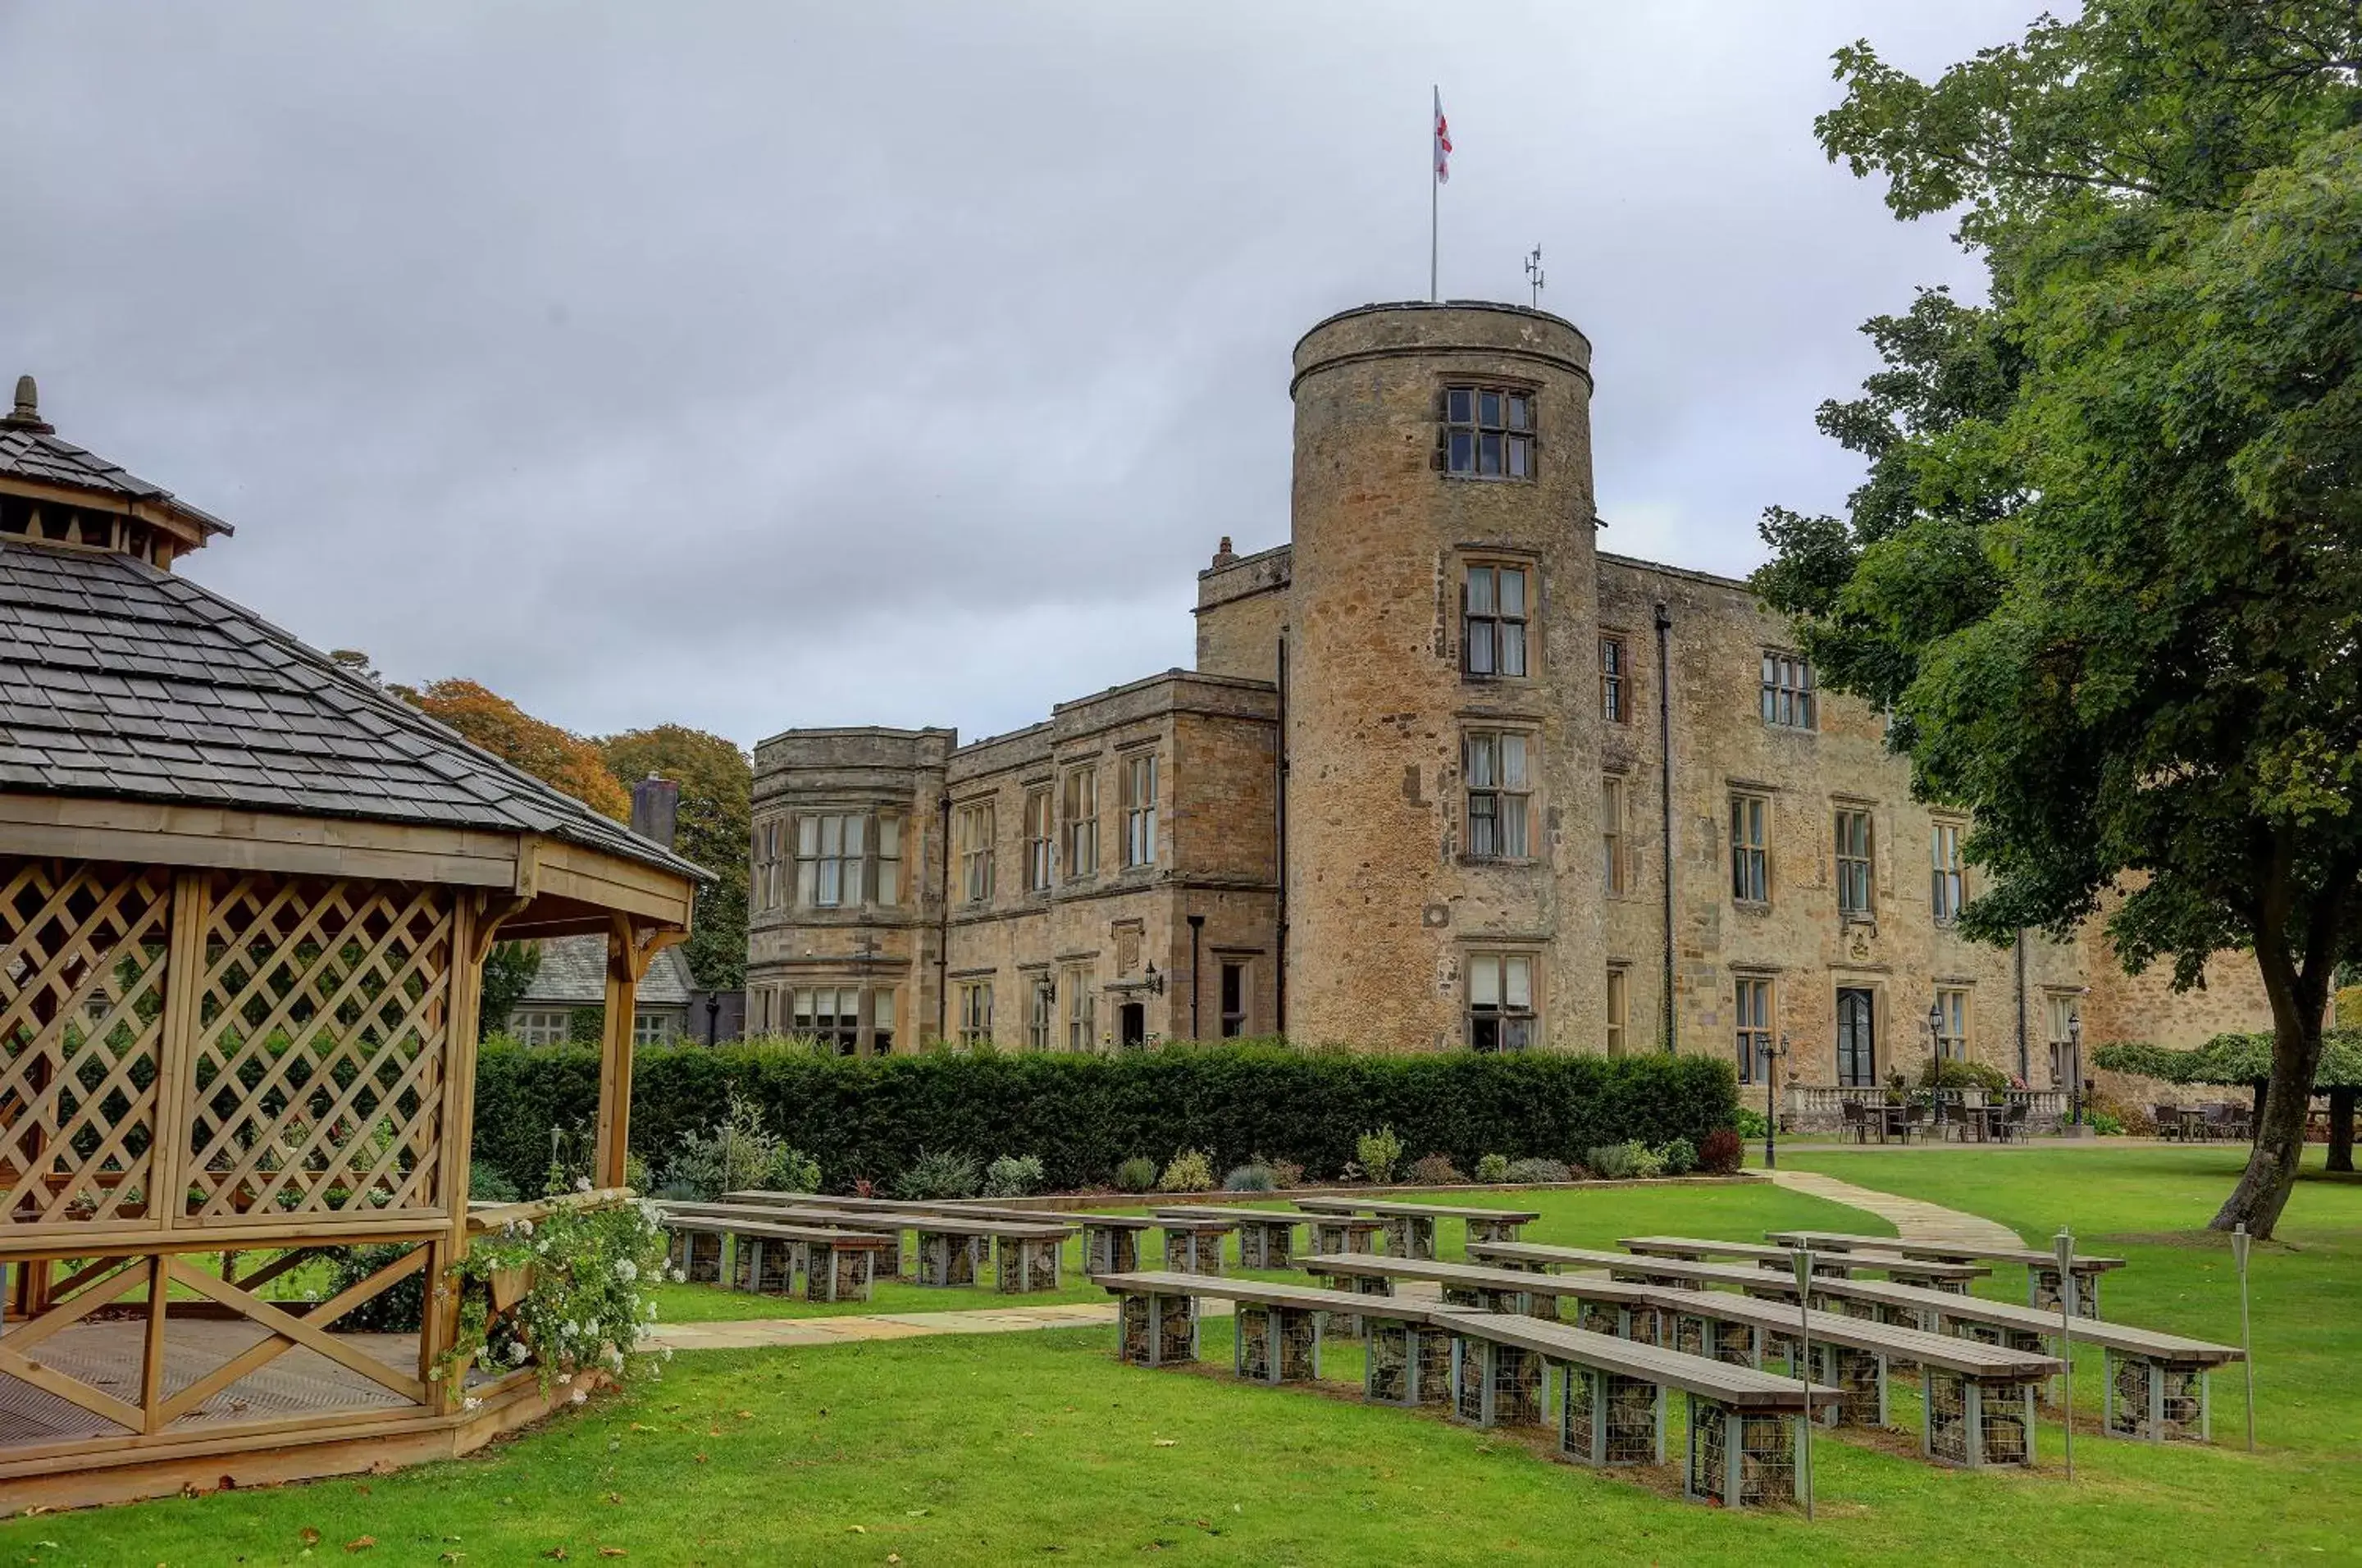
column 819, row 1212
column 953, row 1247
column 1902, row 1269
column 1411, row 1227
column 837, row 1264
column 1745, row 1426
column 2158, row 1387
column 1266, row 1236
column 1333, row 1233
column 1540, row 1258
column 2041, row 1267
column 1279, row 1331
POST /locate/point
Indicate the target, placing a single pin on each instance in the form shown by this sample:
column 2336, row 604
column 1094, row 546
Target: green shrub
column 738, row 1154
column 1377, row 1154
column 1284, row 1173
column 935, row 1176
column 1083, row 1113
column 1436, row 1170
column 1680, row 1156
column 1960, row 1075
column 1251, row 1178
column 1190, row 1170
column 1013, row 1175
column 1137, row 1174
column 396, row 1309
column 1646, row 1164
column 1613, row 1161
column 1751, row 1124
column 1493, row 1168
column 1533, row 1170
column 486, row 1184
column 2105, row 1124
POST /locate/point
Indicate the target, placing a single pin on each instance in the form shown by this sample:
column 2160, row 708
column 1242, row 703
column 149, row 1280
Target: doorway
column 1131, row 1024
column 1857, row 1038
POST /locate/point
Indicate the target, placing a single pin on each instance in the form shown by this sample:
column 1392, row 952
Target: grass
column 1040, row 1447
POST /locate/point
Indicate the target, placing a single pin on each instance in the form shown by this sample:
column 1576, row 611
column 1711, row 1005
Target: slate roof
column 121, row 680
column 32, row 452
column 574, row 974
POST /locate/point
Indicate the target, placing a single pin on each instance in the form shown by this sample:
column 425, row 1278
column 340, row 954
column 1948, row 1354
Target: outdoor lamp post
column 1772, row 1054
column 712, row 1018
column 2075, row 1062
column 1936, row 1054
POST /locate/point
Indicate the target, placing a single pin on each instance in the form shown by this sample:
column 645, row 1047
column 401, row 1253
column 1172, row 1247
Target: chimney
column 1223, row 554
column 655, row 802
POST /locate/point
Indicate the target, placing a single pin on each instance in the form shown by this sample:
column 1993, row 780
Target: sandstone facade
column 1446, row 776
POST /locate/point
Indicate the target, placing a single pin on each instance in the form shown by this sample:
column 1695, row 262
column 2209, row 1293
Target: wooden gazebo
column 245, row 900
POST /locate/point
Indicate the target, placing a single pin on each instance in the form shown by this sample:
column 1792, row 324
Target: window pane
column 1488, row 453
column 1460, row 406
column 1484, row 826
column 1516, row 412
column 1513, row 762
column 1519, row 457
column 1484, row 982
column 889, row 836
column 1513, row 647
column 1480, row 647
column 831, row 834
column 1513, row 827
column 1488, row 408
column 1463, row 452
column 1513, row 592
column 1480, row 762
column 1518, row 982
column 1480, row 591
column 831, row 880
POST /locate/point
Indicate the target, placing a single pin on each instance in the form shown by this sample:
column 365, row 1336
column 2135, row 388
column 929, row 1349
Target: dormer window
column 1488, row 432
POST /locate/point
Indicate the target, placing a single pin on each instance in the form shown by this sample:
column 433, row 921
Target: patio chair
column 1857, row 1119
column 1915, row 1115
column 2228, row 1122
column 2169, row 1122
column 2010, row 1127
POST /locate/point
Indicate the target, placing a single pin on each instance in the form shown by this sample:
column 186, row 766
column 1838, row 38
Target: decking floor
column 106, row 1355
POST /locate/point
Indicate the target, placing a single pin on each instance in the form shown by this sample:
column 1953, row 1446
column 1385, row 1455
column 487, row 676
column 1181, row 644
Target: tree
column 2247, row 1060
column 510, row 969
column 557, row 757
column 2105, row 570
column 714, row 828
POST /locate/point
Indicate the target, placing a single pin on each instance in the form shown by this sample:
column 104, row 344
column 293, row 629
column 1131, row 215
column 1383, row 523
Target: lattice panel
column 322, row 1038
column 82, row 958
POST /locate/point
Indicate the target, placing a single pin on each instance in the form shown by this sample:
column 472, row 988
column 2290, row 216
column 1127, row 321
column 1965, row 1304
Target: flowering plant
column 589, row 1303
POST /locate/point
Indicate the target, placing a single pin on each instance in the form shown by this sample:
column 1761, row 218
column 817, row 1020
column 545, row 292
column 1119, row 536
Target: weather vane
column 1534, row 279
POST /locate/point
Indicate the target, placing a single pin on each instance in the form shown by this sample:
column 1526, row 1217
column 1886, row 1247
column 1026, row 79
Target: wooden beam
column 287, row 1331
column 151, row 1357
column 626, row 962
column 175, row 1091
column 140, row 833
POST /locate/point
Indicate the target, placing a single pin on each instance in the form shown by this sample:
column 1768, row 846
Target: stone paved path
column 1917, row 1220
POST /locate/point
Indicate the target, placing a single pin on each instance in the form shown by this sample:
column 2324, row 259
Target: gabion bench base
column 2157, row 1401
column 1266, row 1246
column 1604, row 1418
column 1156, row 1331
column 1740, row 1458
column 1977, row 1422
column 1110, row 1249
column 1410, row 1236
column 838, row 1274
column 946, row 1259
column 1029, row 1266
column 1276, row 1344
column 1188, row 1252
column 1495, row 1384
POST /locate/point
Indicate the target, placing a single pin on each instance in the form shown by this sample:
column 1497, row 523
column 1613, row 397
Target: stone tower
column 1443, row 793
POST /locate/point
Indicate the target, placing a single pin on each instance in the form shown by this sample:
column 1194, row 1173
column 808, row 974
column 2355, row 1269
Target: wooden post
column 628, row 952
column 151, row 1361
column 175, row 1093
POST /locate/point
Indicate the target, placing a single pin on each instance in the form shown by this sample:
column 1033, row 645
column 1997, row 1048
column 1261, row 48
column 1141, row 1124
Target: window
column 1751, row 854
column 1614, row 682
column 836, row 863
column 652, row 1028
column 1787, row 691
column 1952, row 1034
column 1857, row 1038
column 1499, row 800
column 1040, row 858
column 1500, row 1001
column 881, row 1022
column 540, row 1025
column 1140, row 810
column 1611, row 834
column 976, row 827
column 1082, row 1007
column 766, row 1025
column 1853, row 864
column 1946, row 886
column 976, row 1012
column 1493, row 621
column 830, row 1015
column 1234, row 1000
column 1082, row 822
column 1619, row 1014
column 2059, row 1020
column 1488, row 432
column 765, row 894
column 1754, row 1042
column 1041, row 1011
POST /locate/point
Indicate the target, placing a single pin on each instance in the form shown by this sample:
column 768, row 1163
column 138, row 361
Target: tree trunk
column 2272, row 1162
column 2341, row 1128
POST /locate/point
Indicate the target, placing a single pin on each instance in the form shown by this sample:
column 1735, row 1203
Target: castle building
column 1446, row 775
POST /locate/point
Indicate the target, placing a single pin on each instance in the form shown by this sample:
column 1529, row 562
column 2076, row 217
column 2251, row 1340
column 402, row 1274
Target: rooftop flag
column 1442, row 143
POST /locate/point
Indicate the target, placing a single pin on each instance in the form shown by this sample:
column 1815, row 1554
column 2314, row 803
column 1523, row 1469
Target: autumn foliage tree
column 557, row 757
column 713, row 828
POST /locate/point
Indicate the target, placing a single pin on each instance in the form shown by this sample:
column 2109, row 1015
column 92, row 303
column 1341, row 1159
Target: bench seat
column 1896, row 1265
column 1411, row 1227
column 837, row 1264
column 1266, row 1236
column 2041, row 1267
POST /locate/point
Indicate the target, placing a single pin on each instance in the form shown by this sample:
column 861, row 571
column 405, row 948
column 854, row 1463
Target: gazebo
column 245, row 900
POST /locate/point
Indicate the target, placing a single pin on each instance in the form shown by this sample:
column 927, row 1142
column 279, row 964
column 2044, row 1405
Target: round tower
column 1442, row 813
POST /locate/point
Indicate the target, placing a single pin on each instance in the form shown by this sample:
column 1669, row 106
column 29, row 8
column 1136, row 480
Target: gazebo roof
column 119, row 680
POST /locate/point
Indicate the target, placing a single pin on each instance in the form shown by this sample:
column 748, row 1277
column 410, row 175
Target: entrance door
column 1857, row 1044
column 1131, row 1024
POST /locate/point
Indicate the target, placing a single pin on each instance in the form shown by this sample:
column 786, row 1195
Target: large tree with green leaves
column 714, row 828
column 2107, row 566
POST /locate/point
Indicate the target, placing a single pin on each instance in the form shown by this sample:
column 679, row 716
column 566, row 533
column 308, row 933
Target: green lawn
column 1040, row 1447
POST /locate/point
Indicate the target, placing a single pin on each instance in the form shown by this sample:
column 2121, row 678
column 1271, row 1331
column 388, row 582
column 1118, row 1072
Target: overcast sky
column 769, row 365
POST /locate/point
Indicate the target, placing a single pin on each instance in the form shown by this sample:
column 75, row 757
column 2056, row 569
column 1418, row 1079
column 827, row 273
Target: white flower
column 526, row 1226
column 579, row 1397
column 517, row 1353
column 667, row 1352
column 626, row 1270
column 433, row 1375
column 582, row 1184
column 614, row 1358
column 471, row 1403
column 565, row 1378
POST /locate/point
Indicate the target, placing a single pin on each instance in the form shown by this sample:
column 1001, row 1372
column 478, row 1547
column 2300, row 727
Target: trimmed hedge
column 1084, row 1115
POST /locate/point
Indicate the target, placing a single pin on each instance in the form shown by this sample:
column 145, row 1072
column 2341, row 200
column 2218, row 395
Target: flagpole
column 1434, row 190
